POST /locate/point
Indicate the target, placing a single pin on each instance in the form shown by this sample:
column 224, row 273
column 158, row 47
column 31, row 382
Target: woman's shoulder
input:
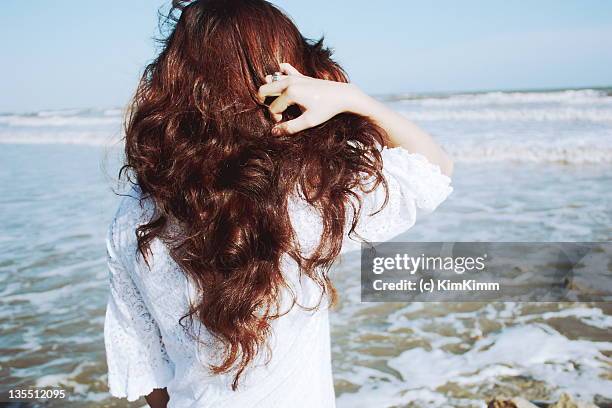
column 134, row 209
column 133, row 204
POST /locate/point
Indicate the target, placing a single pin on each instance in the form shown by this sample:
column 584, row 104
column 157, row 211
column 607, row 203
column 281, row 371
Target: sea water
column 530, row 166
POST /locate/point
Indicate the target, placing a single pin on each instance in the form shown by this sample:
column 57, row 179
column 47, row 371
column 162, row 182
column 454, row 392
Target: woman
column 247, row 187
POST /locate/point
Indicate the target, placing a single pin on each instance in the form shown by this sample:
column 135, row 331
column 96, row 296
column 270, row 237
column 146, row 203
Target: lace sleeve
column 135, row 353
column 415, row 186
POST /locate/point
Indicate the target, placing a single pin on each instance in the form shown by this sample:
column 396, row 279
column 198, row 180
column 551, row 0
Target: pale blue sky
column 69, row 53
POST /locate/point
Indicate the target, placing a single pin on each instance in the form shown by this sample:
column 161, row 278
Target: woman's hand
column 318, row 99
column 321, row 100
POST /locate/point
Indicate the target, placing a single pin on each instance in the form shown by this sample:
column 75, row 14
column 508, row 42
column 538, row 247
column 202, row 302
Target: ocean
column 530, row 166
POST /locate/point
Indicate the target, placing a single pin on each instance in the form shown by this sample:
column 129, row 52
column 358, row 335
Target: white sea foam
column 591, row 316
column 86, row 138
column 532, row 152
column 568, row 97
column 58, row 120
column 533, row 350
column 66, row 379
column 564, row 114
column 61, row 112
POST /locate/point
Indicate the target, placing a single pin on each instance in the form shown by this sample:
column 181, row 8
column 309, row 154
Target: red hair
column 199, row 144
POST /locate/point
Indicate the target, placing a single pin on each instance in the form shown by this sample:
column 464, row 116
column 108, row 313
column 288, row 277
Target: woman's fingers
column 296, row 125
column 280, row 104
column 275, row 88
column 272, row 89
column 283, row 101
column 288, row 69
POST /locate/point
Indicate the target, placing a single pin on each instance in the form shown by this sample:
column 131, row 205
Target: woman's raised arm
column 320, row 100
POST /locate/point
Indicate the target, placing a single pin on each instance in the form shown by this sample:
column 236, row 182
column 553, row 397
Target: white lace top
column 147, row 348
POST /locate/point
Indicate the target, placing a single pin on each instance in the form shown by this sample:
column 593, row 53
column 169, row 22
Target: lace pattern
column 414, row 185
column 136, row 355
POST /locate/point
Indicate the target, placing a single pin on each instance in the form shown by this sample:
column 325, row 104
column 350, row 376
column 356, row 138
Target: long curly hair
column 199, row 145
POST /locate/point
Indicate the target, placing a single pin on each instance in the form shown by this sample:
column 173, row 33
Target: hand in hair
column 320, row 100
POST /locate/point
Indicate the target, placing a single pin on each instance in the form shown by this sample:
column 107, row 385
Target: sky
column 78, row 54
